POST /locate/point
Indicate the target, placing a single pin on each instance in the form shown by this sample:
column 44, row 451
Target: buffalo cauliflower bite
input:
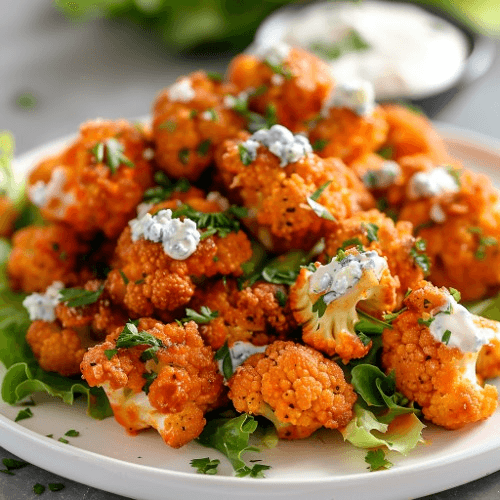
column 432, row 347
column 273, row 174
column 294, row 83
column 157, row 375
column 146, row 280
column 43, row 254
column 8, row 215
column 295, row 387
column 258, row 313
column 394, row 241
column 458, row 214
column 190, row 119
column 95, row 183
column 324, row 301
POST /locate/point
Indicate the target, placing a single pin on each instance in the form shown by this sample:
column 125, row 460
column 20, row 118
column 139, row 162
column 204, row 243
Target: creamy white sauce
column 336, row 278
column 181, row 91
column 178, row 238
column 277, row 54
column 289, row 148
column 435, row 182
column 411, row 52
column 42, row 305
column 383, row 177
column 464, row 334
column 357, row 95
column 239, row 352
column 42, row 193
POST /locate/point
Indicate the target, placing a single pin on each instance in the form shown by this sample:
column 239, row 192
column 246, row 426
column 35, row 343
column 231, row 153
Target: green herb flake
column 204, row 147
column 150, row 377
column 353, row 242
column 319, row 307
column 371, row 231
column 169, row 125
column 319, row 144
column 426, row 322
column 203, row 317
column 281, row 298
column 386, row 152
column 184, row 156
column 256, row 471
column 13, row 464
column 455, row 173
column 72, row 433
column 110, row 152
column 205, row 465
column 392, row 316
column 77, row 297
column 421, row 259
column 341, row 255
column 377, row 461
column 455, row 294
column 320, row 210
column 7, row 472
column 315, row 196
column 245, row 156
column 124, row 277
column 38, row 489
column 210, row 114
column 446, row 337
column 131, row 337
column 223, row 354
column 351, row 42
column 193, row 114
column 56, row 486
column 279, row 69
column 24, row 414
column 109, row 353
column 214, row 76
column 62, row 440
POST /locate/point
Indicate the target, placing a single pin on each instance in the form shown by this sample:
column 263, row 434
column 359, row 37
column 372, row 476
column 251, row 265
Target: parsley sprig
column 203, row 317
column 110, row 152
column 164, row 188
column 132, row 337
column 77, row 297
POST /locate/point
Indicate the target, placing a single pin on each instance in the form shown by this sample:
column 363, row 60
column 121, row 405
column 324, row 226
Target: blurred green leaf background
column 229, row 25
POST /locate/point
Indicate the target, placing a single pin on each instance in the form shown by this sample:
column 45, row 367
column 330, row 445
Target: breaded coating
column 462, row 230
column 295, row 387
column 324, row 302
column 394, row 241
column 190, row 120
column 276, row 197
column 95, row 183
column 8, row 215
column 254, row 314
column 43, row 254
column 439, row 377
column 412, row 133
column 488, row 361
column 296, row 88
column 344, row 134
column 170, row 391
column 146, row 281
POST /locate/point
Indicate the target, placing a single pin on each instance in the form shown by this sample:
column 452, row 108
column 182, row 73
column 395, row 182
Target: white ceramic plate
column 322, row 467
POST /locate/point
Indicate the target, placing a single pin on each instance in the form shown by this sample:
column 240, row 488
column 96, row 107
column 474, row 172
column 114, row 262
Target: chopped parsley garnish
column 169, row 125
column 109, row 353
column 341, row 255
column 245, row 156
column 223, row 354
column 371, row 231
column 319, row 307
column 203, row 317
column 255, row 121
column 23, row 414
column 38, row 489
column 315, row 196
column 56, row 486
column 77, row 297
column 211, row 113
column 150, row 377
column 455, row 294
column 203, row 147
column 281, row 298
column 319, row 144
column 165, row 188
column 386, row 152
column 205, row 465
column 13, row 464
column 377, row 461
column 62, row 440
column 256, row 471
column 420, row 258
column 320, row 210
column 392, row 316
column 365, row 340
column 455, row 173
column 220, row 223
column 446, row 337
column 278, row 276
column 353, row 242
column 483, row 242
column 110, row 152
column 132, row 337
column 351, row 42
column 279, row 69
column 124, row 277
column 72, row 433
column 214, row 76
column 426, row 322
column 424, row 225
column 184, row 156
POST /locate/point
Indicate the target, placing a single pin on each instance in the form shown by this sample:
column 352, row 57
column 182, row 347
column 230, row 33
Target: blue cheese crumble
column 383, row 177
column 277, row 54
column 336, row 278
column 433, row 183
column 239, row 352
column 42, row 193
column 357, row 95
column 178, row 238
column 181, row 91
column 289, row 148
column 41, row 306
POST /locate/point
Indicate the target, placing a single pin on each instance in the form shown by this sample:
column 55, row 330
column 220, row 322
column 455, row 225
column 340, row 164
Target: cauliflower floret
column 461, row 225
column 296, row 83
column 95, row 184
column 432, row 348
column 258, row 313
column 394, row 241
column 8, row 215
column 157, row 375
column 189, row 121
column 42, row 255
column 295, row 387
column 324, row 301
column 280, row 214
column 146, row 281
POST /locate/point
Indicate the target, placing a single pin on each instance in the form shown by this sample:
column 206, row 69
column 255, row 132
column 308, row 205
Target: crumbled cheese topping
column 277, row 54
column 383, row 177
column 182, row 91
column 222, row 201
column 179, row 238
column 41, row 193
column 460, row 322
column 289, row 148
column 42, row 305
column 433, row 183
column 357, row 95
column 148, row 154
column 277, row 79
column 336, row 278
column 239, row 352
column 437, row 214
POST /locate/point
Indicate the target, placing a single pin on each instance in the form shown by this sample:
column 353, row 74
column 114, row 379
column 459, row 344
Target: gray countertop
column 81, row 71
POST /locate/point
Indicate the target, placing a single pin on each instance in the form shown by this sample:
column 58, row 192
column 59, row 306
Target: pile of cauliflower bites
column 167, row 241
